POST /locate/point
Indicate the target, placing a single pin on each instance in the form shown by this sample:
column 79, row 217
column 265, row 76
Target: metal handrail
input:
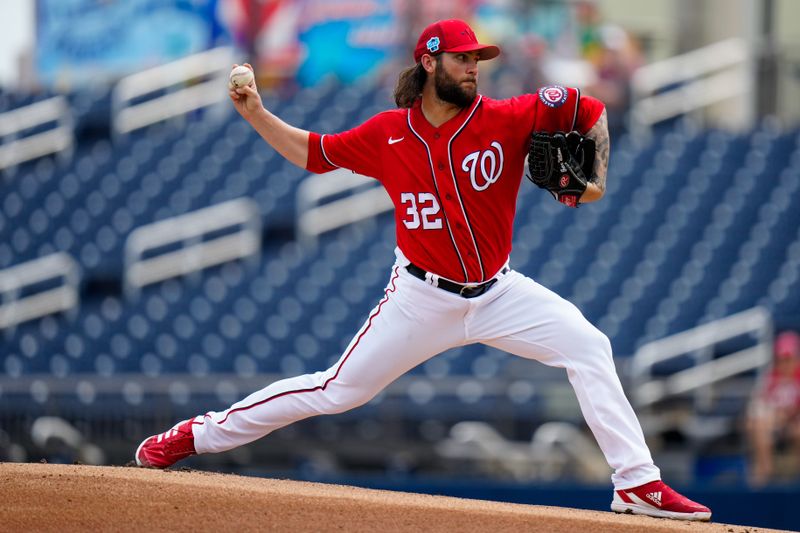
column 691, row 81
column 200, row 80
column 364, row 198
column 17, row 148
column 16, row 308
column 699, row 342
column 187, row 232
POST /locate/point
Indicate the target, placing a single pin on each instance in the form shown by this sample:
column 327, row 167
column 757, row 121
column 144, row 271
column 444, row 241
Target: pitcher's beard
column 449, row 90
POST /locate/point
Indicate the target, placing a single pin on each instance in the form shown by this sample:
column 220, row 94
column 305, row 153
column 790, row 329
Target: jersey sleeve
column 565, row 109
column 589, row 111
column 353, row 149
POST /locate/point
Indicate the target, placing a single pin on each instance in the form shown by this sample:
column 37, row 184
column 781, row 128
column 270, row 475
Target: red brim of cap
column 488, row 51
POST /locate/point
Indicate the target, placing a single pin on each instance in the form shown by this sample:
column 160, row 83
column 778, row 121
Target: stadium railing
column 688, row 82
column 23, row 296
column 170, row 90
column 25, row 132
column 149, row 259
column 352, row 197
column 699, row 343
column 556, row 450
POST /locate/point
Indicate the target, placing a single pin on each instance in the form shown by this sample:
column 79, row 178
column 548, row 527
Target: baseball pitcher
column 452, row 161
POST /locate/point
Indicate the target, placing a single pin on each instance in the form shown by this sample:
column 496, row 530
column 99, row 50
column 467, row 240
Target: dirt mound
column 38, row 497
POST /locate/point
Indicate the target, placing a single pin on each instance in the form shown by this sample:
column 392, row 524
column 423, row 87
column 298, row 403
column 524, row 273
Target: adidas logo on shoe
column 654, row 497
column 658, row 499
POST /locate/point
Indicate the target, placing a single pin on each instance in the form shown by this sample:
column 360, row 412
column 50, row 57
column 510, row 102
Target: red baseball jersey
column 454, row 187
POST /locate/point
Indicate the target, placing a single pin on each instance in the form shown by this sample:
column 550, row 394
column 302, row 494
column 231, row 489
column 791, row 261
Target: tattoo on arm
column 599, row 133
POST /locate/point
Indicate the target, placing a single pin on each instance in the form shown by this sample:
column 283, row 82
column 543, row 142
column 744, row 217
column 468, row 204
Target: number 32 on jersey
column 421, row 210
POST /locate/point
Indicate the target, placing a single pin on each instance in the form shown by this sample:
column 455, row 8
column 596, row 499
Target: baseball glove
column 562, row 164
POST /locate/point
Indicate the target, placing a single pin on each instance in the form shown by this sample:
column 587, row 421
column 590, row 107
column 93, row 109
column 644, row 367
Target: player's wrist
column 259, row 115
column 591, row 194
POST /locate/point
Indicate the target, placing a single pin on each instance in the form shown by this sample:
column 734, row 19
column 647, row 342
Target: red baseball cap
column 451, row 36
column 787, row 345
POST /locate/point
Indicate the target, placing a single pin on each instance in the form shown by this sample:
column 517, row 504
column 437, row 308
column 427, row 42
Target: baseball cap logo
column 451, row 36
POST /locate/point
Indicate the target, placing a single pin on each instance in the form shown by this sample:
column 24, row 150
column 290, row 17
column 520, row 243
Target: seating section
column 696, row 225
column 88, row 206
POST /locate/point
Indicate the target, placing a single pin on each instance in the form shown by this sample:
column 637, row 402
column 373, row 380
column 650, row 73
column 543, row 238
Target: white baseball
column 241, row 76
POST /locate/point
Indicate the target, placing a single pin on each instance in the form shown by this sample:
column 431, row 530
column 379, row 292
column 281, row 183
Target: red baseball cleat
column 658, row 499
column 166, row 449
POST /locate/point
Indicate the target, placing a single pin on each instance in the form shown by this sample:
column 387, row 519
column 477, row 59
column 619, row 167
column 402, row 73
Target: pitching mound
column 39, row 497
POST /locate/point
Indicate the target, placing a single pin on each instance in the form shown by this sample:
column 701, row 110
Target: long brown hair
column 409, row 86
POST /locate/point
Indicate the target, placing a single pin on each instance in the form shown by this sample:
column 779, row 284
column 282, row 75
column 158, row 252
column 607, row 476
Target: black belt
column 466, row 291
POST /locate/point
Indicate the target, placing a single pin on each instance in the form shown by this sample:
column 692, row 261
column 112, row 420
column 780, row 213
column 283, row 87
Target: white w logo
column 489, row 166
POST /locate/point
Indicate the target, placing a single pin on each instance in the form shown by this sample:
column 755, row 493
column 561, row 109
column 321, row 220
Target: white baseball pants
column 415, row 321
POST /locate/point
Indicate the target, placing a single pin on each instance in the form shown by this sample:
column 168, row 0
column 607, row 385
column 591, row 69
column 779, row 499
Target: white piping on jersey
column 322, row 147
column 458, row 192
column 433, row 173
column 575, row 114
